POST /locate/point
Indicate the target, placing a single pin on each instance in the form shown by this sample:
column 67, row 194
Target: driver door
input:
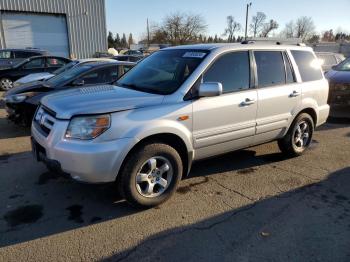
column 226, row 122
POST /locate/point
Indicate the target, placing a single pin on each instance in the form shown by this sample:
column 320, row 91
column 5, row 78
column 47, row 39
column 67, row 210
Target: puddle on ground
column 247, row 170
column 15, row 196
column 75, row 213
column 186, row 189
column 24, row 215
column 45, row 177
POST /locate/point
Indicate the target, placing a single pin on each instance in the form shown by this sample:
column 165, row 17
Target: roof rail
column 245, row 42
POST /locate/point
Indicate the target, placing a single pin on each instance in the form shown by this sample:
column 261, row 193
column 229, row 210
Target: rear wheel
column 299, row 136
column 6, row 84
column 151, row 175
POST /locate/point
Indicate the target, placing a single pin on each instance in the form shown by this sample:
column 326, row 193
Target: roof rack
column 276, row 41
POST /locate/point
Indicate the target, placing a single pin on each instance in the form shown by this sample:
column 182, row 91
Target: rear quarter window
column 308, row 64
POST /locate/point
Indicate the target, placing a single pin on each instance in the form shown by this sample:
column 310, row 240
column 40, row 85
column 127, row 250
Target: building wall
column 86, row 21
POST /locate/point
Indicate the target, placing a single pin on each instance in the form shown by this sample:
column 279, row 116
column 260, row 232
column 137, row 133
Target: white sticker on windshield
column 194, row 54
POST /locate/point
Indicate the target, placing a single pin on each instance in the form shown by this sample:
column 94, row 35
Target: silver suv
column 179, row 105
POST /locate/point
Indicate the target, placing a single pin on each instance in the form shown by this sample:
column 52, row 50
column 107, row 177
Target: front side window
column 35, row 63
column 163, row 72
column 68, row 75
column 102, row 75
column 270, row 68
column 231, row 70
column 308, row 65
column 55, row 62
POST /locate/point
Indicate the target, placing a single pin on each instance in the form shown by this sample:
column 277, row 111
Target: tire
column 298, row 137
column 6, row 84
column 143, row 188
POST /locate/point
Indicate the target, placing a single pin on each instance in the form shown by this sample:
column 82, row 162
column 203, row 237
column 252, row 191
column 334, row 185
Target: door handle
column 295, row 94
column 248, row 102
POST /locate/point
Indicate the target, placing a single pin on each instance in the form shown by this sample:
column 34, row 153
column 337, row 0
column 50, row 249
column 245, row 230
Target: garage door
column 49, row 32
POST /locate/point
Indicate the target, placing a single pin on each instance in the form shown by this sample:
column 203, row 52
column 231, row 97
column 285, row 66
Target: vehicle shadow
column 11, row 130
column 307, row 224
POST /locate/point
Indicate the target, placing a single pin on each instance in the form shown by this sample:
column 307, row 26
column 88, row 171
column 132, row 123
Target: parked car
column 11, row 57
column 46, row 75
column 131, row 52
column 177, row 106
column 329, row 59
column 130, row 58
column 31, row 65
column 21, row 102
column 339, row 85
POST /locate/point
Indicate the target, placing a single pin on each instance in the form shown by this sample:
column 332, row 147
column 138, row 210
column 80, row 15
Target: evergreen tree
column 117, row 41
column 130, row 40
column 124, row 43
column 110, row 39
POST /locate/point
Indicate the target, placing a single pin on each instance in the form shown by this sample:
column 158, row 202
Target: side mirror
column 209, row 89
column 78, row 82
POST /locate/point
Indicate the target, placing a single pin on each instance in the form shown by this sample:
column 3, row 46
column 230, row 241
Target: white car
column 45, row 75
column 179, row 105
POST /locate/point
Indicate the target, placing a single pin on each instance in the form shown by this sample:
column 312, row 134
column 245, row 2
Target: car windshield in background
column 67, row 75
column 65, row 68
column 343, row 66
column 163, row 72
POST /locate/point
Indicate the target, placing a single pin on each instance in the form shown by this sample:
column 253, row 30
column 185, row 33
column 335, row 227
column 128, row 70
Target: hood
column 34, row 77
column 98, row 100
column 338, row 76
column 36, row 86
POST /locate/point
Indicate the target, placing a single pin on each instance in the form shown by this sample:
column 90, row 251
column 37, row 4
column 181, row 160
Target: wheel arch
column 170, row 139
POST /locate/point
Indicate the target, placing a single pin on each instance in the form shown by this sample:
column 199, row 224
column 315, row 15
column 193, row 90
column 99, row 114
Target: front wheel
column 150, row 175
column 298, row 137
column 6, row 84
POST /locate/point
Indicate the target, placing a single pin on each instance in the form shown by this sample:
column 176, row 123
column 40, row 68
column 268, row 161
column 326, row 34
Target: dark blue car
column 339, row 85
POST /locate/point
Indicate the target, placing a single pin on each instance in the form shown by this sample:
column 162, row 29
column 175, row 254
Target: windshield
column 343, row 66
column 163, row 72
column 65, row 68
column 68, row 75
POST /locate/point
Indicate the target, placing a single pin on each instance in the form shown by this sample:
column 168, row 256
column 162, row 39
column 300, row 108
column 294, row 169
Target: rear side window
column 270, row 68
column 23, row 54
column 309, row 66
column 55, row 62
column 231, row 70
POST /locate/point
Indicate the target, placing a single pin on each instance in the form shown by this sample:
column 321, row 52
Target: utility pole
column 246, row 20
column 148, row 37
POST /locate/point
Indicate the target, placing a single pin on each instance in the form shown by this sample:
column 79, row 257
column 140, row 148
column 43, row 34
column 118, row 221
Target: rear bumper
column 323, row 113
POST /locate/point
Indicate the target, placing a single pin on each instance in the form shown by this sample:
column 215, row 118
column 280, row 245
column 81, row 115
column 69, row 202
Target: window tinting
column 289, row 71
column 309, row 66
column 270, row 68
column 55, row 62
column 231, row 70
column 23, row 54
column 35, row 63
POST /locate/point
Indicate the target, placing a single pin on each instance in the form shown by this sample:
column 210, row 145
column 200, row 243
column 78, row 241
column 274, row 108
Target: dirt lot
column 251, row 205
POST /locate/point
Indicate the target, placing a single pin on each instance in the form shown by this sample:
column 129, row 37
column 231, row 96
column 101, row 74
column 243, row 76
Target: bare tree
column 232, row 28
column 288, row 31
column 257, row 24
column 304, row 27
column 268, row 27
column 181, row 28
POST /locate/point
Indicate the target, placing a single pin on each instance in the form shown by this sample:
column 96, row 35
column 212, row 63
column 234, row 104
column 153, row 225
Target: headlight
column 88, row 127
column 16, row 98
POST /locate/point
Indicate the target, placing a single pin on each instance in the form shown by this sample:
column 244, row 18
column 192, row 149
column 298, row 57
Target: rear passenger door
column 226, row 122
column 278, row 94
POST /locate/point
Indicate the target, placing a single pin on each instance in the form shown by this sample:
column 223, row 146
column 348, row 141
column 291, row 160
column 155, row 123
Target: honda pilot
column 179, row 105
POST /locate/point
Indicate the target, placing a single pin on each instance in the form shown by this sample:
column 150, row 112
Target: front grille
column 44, row 120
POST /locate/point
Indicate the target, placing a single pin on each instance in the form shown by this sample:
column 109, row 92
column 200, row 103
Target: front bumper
column 85, row 161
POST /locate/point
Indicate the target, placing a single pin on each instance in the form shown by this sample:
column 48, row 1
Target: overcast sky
column 130, row 16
